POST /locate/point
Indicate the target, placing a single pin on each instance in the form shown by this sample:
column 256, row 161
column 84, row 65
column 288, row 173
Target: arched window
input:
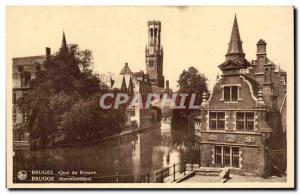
column 155, row 32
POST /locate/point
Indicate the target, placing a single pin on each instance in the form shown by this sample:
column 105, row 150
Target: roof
column 261, row 41
column 277, row 67
column 154, row 22
column 29, row 60
column 64, row 46
column 234, row 64
column 157, row 89
column 235, row 44
column 230, row 64
column 117, row 81
column 255, row 85
column 126, row 70
column 127, row 79
column 139, row 74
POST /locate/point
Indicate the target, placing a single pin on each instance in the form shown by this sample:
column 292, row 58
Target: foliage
column 64, row 99
column 190, row 82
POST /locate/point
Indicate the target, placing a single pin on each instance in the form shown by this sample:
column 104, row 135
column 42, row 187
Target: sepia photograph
column 150, row 97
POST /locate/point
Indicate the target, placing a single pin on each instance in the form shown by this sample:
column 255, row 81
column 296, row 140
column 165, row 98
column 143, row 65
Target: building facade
column 244, row 118
column 24, row 69
column 135, row 84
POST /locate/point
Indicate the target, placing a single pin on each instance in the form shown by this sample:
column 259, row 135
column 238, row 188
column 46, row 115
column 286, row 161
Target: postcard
column 150, row 97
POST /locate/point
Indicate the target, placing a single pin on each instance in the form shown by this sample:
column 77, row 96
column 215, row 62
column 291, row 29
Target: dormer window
column 230, row 93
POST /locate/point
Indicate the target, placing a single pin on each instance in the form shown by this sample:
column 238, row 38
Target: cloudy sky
column 191, row 36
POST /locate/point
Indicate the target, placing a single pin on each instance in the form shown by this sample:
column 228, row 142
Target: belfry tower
column 154, row 54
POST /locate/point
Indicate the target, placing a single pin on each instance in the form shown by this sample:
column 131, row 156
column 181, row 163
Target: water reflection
column 136, row 154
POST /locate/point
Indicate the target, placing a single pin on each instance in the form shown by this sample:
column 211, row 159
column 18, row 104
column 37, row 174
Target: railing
column 171, row 173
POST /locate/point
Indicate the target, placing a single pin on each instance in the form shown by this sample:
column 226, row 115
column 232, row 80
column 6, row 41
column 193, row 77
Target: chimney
column 48, row 51
column 261, row 55
column 261, row 47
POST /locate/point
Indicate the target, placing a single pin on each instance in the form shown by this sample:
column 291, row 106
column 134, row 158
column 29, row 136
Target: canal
column 130, row 157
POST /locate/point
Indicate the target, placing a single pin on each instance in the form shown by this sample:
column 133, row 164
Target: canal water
column 130, row 157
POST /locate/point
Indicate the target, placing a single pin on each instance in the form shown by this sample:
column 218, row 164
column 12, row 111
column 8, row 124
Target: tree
column 85, row 120
column 190, row 82
column 64, row 98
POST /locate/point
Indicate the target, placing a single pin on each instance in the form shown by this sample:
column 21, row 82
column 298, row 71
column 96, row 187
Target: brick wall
column 206, row 155
column 247, row 102
column 253, row 160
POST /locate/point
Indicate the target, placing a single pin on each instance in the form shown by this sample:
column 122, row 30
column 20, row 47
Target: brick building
column 243, row 120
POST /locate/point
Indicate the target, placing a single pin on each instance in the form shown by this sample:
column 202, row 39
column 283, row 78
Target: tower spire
column 235, row 49
column 64, row 47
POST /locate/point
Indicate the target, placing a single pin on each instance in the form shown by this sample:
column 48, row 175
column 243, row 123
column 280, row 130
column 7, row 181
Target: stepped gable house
column 243, row 120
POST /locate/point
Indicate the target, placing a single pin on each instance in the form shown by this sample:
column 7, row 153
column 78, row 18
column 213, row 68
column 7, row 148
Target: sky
column 191, row 36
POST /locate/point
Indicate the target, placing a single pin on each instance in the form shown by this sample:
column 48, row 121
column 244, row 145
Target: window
column 25, row 78
column 218, row 156
column 155, row 32
column 226, row 156
column 132, row 112
column 230, row 93
column 235, row 156
column 150, row 63
column 267, row 75
column 245, row 121
column 283, row 79
column 151, row 32
column 217, row 120
column 227, row 93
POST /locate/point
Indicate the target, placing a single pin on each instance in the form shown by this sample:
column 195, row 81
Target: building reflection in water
column 141, row 153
